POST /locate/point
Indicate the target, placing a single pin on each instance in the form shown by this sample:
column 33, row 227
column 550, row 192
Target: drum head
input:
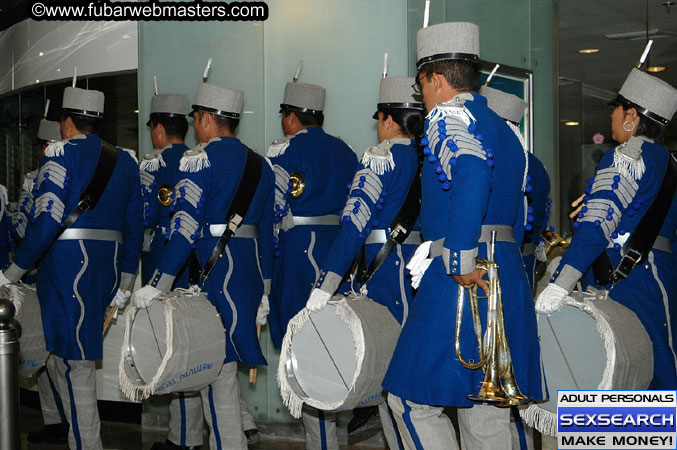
column 148, row 340
column 573, row 352
column 323, row 356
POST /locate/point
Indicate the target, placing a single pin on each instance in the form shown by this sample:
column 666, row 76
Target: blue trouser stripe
column 323, row 432
column 215, row 424
column 410, row 426
column 74, row 411
column 182, row 405
column 57, row 399
column 397, row 430
column 520, row 428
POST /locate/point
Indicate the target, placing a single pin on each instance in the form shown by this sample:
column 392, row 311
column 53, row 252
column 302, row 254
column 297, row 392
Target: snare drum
column 32, row 349
column 335, row 359
column 177, row 344
column 590, row 344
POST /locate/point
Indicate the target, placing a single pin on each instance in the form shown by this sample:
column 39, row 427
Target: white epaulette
column 57, row 148
column 277, row 147
column 628, row 159
column 152, row 161
column 195, row 159
column 132, row 153
column 454, row 107
column 379, row 158
column 29, row 181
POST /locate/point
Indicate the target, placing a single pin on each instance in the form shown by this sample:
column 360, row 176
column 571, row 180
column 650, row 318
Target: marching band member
column 536, row 185
column 626, row 203
column 471, row 185
column 312, row 169
column 210, row 174
column 95, row 257
column 55, row 429
column 377, row 193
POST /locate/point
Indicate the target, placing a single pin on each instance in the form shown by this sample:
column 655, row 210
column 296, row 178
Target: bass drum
column 335, row 359
column 592, row 343
column 177, row 344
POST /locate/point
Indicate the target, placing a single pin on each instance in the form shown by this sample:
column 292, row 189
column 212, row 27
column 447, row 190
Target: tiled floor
column 126, row 436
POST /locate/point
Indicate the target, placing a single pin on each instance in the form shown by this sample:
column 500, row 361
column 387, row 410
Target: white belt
column 91, row 234
column 329, row 219
column 527, row 248
column 380, row 237
column 244, row 231
column 503, row 234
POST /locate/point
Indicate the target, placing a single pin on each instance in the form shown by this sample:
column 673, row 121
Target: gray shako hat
column 218, row 100
column 507, row 106
column 303, row 98
column 397, row 93
column 168, row 105
column 49, row 130
column 651, row 96
column 83, row 101
column 451, row 40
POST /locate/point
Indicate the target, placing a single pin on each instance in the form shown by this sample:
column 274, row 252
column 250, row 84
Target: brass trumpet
column 298, row 184
column 499, row 385
column 165, row 195
column 552, row 241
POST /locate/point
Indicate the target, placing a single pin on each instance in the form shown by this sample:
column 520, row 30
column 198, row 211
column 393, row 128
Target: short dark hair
column 410, row 121
column 648, row 128
column 86, row 124
column 221, row 121
column 460, row 74
column 175, row 127
column 306, row 119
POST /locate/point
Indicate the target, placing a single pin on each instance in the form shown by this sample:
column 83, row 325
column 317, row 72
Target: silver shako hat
column 451, row 40
column 218, row 100
column 303, row 98
column 49, row 130
column 398, row 93
column 651, row 96
column 83, row 101
column 168, row 106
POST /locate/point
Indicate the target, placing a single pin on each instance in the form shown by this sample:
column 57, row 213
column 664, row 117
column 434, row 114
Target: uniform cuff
column 14, row 273
column 162, row 281
column 459, row 262
column 266, row 287
column 329, row 282
column 127, row 281
column 567, row 277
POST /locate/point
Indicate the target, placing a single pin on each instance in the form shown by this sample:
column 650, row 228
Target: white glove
column 318, row 300
column 144, row 297
column 121, row 298
column 419, row 263
column 551, row 299
column 540, row 252
column 3, row 279
column 264, row 310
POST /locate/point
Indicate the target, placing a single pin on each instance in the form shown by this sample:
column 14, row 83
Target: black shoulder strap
column 238, row 208
column 97, row 184
column 400, row 227
column 641, row 240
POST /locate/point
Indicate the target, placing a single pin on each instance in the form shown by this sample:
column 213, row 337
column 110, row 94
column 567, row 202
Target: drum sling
column 401, row 227
column 234, row 218
column 636, row 249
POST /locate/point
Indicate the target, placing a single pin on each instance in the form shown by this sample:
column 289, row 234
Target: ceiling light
column 58, row 70
column 585, row 51
column 571, row 123
column 37, row 81
column 656, row 68
column 126, row 36
column 136, row 111
column 41, row 54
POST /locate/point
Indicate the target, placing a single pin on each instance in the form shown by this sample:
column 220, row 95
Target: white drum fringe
column 139, row 391
column 16, row 296
column 546, row 421
column 291, row 400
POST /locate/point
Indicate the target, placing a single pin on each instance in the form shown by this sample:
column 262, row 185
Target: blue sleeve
column 607, row 198
column 265, row 229
column 48, row 211
column 362, row 212
column 149, row 188
column 188, row 217
column 132, row 229
column 469, row 176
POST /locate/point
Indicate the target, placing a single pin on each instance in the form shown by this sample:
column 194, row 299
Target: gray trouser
column 320, row 427
column 50, row 402
column 221, row 406
column 76, row 383
column 521, row 433
column 186, row 419
column 425, row 427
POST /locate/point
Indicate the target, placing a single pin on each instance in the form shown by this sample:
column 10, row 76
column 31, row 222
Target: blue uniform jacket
column 625, row 185
column 472, row 179
column 210, row 175
column 327, row 166
column 78, row 278
column 377, row 193
column 538, row 212
column 159, row 169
